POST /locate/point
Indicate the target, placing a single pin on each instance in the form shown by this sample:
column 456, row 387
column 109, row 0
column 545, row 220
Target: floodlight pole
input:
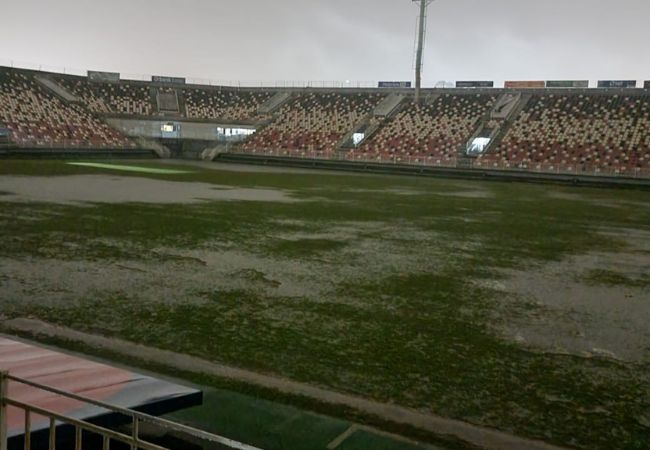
column 420, row 48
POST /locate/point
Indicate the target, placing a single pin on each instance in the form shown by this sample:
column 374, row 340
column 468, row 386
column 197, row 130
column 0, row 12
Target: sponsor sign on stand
column 394, row 84
column 525, row 84
column 167, row 80
column 617, row 84
column 474, row 84
column 102, row 77
column 567, row 84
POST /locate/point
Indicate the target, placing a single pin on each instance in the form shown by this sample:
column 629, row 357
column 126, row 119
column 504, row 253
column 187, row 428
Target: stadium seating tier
column 432, row 133
column 230, row 105
column 37, row 118
column 312, row 124
column 580, row 133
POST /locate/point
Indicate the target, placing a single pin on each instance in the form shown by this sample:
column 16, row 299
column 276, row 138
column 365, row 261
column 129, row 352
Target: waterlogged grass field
column 514, row 306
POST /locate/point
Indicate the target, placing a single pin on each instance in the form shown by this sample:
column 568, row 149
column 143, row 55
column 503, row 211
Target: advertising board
column 167, row 80
column 474, row 84
column 612, row 84
column 394, row 84
column 524, row 84
column 101, row 77
column 567, row 84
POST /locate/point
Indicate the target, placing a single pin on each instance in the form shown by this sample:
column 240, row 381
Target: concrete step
column 274, row 103
column 56, row 89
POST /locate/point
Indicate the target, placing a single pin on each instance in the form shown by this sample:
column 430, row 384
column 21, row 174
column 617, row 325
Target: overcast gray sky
column 333, row 39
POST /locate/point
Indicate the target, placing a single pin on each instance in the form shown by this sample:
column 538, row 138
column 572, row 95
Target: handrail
column 85, row 425
column 135, row 416
column 426, row 161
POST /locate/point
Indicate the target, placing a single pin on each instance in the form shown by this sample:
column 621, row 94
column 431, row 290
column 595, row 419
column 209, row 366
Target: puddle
column 552, row 309
column 80, row 189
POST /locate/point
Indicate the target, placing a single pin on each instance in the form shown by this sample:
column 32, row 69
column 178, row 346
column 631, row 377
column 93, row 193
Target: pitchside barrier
column 451, row 162
column 107, row 435
column 62, row 144
column 563, row 169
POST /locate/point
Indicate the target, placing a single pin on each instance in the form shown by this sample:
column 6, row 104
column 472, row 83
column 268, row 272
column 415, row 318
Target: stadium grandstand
column 38, row 118
column 526, row 127
column 313, row 124
column 429, row 134
column 587, row 133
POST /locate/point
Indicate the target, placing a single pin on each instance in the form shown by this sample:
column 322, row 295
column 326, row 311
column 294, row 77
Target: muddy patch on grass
column 291, row 223
column 479, row 194
column 247, row 168
column 88, row 189
column 256, row 277
column 175, row 278
column 596, row 200
column 637, row 240
column 393, row 191
column 352, row 231
column 303, row 230
column 31, row 215
column 560, row 308
column 360, row 253
column 163, row 275
column 571, row 196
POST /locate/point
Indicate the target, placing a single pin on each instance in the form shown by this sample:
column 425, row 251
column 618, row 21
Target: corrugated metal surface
column 80, row 376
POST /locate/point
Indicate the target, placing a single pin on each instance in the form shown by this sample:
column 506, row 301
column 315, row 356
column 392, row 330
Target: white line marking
column 342, row 437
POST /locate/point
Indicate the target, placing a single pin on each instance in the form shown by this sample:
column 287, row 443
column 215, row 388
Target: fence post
column 4, row 382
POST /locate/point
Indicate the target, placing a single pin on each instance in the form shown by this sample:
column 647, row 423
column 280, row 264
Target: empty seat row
column 223, row 104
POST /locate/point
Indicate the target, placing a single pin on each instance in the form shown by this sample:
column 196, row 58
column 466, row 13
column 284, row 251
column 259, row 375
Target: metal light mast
column 420, row 48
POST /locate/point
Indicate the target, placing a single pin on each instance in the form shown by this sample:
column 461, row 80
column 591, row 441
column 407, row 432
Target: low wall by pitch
column 442, row 172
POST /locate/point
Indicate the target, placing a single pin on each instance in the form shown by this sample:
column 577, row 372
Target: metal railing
column 45, row 144
column 565, row 169
column 133, row 440
column 331, row 84
column 450, row 162
column 351, row 156
column 201, row 81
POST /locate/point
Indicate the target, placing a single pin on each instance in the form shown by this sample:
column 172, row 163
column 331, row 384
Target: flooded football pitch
column 519, row 307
